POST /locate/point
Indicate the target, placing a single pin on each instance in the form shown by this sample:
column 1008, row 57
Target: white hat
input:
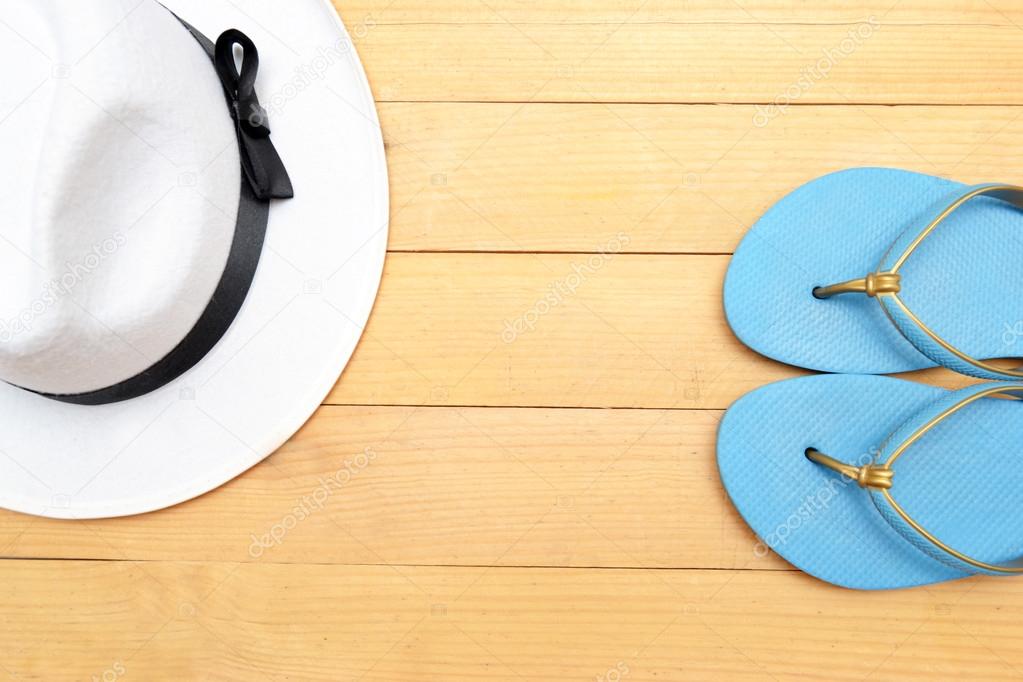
column 188, row 252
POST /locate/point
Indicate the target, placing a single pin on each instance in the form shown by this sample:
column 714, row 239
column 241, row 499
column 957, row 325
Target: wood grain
column 216, row 621
column 676, row 178
column 552, row 330
column 567, row 12
column 861, row 59
column 448, row 486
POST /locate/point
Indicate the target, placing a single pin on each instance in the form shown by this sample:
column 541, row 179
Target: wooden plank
column 959, row 12
column 174, row 621
column 558, row 331
column 618, row 331
column 446, row 486
column 859, row 60
column 675, row 178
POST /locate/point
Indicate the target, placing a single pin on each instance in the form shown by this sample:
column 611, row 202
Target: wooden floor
column 524, row 441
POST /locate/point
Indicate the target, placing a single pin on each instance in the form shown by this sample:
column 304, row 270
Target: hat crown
column 123, row 195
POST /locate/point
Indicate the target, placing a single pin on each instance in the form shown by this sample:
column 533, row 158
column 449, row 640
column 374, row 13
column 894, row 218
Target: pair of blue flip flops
column 866, row 481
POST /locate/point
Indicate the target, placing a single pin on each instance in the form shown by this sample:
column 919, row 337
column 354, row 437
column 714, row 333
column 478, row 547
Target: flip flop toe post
column 876, row 483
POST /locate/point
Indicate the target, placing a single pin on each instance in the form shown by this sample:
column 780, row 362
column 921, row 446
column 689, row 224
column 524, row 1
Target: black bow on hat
column 263, row 166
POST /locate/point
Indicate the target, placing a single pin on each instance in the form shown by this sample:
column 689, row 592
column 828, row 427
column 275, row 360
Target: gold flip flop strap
column 886, row 284
column 879, row 478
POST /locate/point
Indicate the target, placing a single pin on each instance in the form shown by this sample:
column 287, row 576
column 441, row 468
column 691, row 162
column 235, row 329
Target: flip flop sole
column 964, row 281
column 961, row 481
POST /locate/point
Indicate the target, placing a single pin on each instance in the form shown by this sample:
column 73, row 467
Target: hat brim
column 309, row 302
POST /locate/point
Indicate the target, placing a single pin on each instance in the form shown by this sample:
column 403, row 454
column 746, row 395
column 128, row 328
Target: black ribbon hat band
column 264, row 177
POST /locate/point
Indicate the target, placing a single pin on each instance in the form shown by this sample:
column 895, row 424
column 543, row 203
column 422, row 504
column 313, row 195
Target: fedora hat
column 194, row 201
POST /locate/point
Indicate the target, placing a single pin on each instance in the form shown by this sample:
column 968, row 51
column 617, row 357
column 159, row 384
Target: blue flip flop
column 948, row 296
column 877, row 483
